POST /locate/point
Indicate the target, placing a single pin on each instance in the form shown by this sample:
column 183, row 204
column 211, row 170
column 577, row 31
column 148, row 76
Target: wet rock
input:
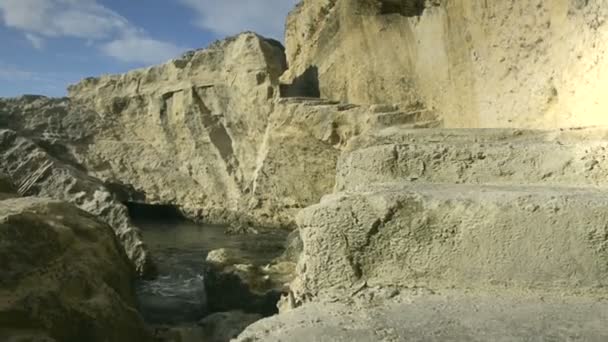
column 64, row 276
column 240, row 287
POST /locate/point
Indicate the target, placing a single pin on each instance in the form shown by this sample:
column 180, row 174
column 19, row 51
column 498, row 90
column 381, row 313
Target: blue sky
column 48, row 44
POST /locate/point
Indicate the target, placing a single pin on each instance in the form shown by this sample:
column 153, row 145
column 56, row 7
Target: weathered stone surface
column 187, row 132
column 517, row 63
column 64, row 276
column 36, row 172
column 468, row 236
column 294, row 154
column 440, row 317
column 491, row 156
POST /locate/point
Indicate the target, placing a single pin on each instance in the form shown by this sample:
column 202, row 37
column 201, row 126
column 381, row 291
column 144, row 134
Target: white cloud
column 87, row 20
column 135, row 48
column 62, row 18
column 228, row 17
column 36, row 41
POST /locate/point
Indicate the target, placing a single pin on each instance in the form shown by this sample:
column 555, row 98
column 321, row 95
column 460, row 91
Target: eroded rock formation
column 64, row 276
column 229, row 134
column 536, row 64
column 35, row 172
column 207, row 133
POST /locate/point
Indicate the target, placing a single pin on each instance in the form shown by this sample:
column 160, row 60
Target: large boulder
column 38, row 173
column 520, row 63
column 463, row 236
column 64, row 276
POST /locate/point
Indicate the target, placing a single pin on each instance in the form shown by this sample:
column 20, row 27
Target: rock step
column 307, row 100
column 382, row 120
column 456, row 236
column 399, row 135
column 540, row 158
column 439, row 317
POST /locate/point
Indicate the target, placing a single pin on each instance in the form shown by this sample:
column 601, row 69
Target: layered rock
column 463, row 208
column 475, row 226
column 186, row 132
column 37, row 173
column 501, row 157
column 207, row 133
column 519, row 63
column 64, row 276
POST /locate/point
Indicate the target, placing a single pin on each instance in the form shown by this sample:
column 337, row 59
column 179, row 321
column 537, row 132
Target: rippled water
column 179, row 249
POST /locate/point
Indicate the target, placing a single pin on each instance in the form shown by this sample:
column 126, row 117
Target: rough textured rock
column 456, row 235
column 522, row 63
column 491, row 156
column 64, row 276
column 36, row 172
column 187, row 132
column 439, row 317
column 293, row 150
column 477, row 209
column 224, row 326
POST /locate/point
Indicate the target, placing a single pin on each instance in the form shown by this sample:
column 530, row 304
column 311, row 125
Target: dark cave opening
column 407, row 8
column 154, row 212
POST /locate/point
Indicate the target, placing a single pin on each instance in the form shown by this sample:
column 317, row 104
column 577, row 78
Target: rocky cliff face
column 186, row 132
column 536, row 64
column 207, row 132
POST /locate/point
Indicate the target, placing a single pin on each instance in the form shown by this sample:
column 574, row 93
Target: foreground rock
column 64, row 276
column 36, row 172
column 443, row 236
column 520, row 63
column 449, row 316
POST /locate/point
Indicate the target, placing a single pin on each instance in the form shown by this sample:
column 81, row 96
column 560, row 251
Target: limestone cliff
column 524, row 63
column 207, row 132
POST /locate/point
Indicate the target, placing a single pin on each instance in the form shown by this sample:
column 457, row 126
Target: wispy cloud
column 140, row 49
column 228, row 17
column 36, row 41
column 87, row 20
column 62, row 18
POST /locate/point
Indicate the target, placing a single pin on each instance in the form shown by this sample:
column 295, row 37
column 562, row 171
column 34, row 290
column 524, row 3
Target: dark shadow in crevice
column 305, row 85
column 141, row 212
column 406, row 8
